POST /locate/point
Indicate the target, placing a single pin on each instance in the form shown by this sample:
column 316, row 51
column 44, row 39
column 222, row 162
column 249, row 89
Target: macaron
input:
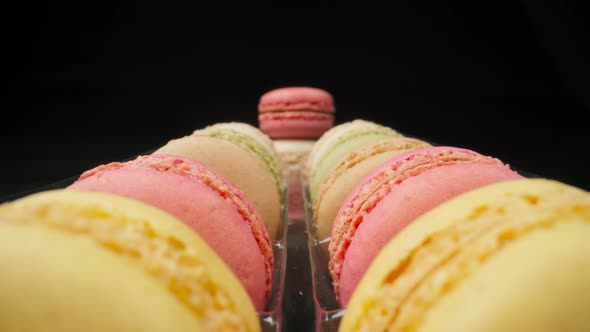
column 203, row 199
column 293, row 153
column 292, row 158
column 393, row 195
column 244, row 155
column 511, row 256
column 296, row 112
column 81, row 261
column 336, row 143
column 352, row 168
column 242, row 128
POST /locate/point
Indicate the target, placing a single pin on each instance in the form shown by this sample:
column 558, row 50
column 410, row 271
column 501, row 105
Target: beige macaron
column 244, row 160
column 349, row 172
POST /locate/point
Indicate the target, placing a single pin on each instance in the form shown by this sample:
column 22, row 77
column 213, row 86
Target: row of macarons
column 438, row 238
column 177, row 240
column 181, row 239
column 424, row 238
column 191, row 227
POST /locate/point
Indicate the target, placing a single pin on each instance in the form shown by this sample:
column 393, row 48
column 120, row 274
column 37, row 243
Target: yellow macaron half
column 487, row 260
column 84, row 261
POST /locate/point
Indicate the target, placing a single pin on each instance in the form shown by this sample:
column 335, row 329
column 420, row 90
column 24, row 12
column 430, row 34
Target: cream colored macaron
column 348, row 174
column 336, row 143
column 248, row 161
column 82, row 261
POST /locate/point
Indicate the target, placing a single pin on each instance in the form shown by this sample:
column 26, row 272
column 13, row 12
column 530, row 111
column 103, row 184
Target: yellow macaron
column 83, row 261
column 511, row 256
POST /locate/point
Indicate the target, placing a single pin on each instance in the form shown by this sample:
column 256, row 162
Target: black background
column 93, row 83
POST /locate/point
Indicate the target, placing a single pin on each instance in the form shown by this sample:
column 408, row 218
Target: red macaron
column 296, row 112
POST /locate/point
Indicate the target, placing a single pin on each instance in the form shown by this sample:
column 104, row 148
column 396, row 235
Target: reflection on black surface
column 298, row 298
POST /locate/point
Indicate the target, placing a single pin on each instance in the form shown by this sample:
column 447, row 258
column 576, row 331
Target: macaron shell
column 308, row 126
column 248, row 137
column 52, row 281
column 255, row 143
column 296, row 98
column 407, row 201
column 334, row 156
column 142, row 236
column 379, row 183
column 329, row 138
column 538, row 283
column 346, row 176
column 504, row 202
column 329, row 203
column 194, row 203
column 247, row 172
column 243, row 128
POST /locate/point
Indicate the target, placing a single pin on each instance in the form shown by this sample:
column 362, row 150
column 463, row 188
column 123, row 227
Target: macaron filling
column 296, row 115
column 447, row 257
column 195, row 171
column 379, row 185
column 296, row 106
column 276, row 101
column 168, row 259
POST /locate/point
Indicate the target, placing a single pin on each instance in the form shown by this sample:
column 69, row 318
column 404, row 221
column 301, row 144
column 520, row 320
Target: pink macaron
column 206, row 201
column 296, row 113
column 392, row 196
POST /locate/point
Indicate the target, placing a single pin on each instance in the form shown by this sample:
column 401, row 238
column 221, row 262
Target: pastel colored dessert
column 336, row 143
column 353, row 167
column 202, row 198
column 296, row 112
column 512, row 256
column 244, row 155
column 242, row 128
column 393, row 195
column 293, row 153
column 79, row 261
column 292, row 157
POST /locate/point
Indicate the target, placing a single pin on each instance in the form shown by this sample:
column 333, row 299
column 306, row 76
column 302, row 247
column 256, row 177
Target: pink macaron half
column 296, row 113
column 206, row 201
column 393, row 195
